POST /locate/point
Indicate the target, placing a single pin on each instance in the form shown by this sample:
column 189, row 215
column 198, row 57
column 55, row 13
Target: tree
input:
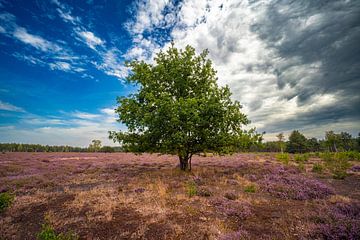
column 332, row 140
column 95, row 146
column 297, row 142
column 281, row 139
column 313, row 145
column 179, row 109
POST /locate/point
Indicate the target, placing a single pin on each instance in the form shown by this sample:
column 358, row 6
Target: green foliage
column 179, row 108
column 297, row 142
column 191, row 189
column 48, row 233
column 95, row 145
column 301, row 158
column 337, row 163
column 318, row 168
column 301, row 166
column 6, row 200
column 250, row 188
column 107, row 149
column 350, row 155
column 283, row 157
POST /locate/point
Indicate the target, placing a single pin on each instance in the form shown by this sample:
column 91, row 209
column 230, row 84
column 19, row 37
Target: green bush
column 250, row 188
column 191, row 189
column 5, row 200
column 337, row 163
column 318, row 168
column 338, row 167
column 301, row 166
column 301, row 158
column 283, row 157
column 48, row 233
column 326, row 156
column 354, row 156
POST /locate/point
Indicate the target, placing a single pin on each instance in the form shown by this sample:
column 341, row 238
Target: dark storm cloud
column 339, row 113
column 320, row 43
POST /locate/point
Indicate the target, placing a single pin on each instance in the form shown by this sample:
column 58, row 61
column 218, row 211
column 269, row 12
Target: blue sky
column 292, row 65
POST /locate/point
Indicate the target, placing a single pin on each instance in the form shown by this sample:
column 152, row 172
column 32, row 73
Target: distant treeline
column 20, row 147
column 298, row 143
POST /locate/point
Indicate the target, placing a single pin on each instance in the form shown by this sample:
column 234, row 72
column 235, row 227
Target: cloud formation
column 293, row 65
column 9, row 107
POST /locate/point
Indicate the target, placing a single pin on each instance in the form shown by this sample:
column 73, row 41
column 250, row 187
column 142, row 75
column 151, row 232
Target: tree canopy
column 180, row 109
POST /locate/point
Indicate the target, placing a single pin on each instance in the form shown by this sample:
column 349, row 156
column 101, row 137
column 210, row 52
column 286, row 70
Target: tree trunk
column 184, row 163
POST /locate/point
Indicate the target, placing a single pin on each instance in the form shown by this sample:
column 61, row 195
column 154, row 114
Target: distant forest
column 297, row 143
column 19, row 147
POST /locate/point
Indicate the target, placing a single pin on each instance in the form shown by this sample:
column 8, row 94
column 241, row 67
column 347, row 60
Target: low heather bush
column 231, row 195
column 355, row 168
column 339, row 221
column 294, row 186
column 204, row 192
column 240, row 234
column 239, row 210
column 6, row 200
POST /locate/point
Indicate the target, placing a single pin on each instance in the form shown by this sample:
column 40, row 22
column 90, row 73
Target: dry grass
column 123, row 196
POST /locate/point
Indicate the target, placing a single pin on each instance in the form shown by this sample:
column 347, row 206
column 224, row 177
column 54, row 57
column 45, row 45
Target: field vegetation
column 127, row 196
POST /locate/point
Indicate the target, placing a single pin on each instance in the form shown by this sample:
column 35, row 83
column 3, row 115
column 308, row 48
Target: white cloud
column 275, row 90
column 149, row 14
column 90, row 39
column 9, row 107
column 64, row 66
column 112, row 65
column 74, row 128
column 36, row 41
column 85, row 115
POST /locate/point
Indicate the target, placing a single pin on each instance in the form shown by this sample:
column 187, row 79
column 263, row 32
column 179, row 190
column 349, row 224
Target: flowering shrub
column 240, row 234
column 238, row 210
column 291, row 186
column 339, row 221
column 355, row 168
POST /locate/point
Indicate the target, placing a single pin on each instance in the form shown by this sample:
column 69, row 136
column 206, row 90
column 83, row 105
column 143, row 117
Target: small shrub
column 318, row 168
column 283, row 157
column 295, row 187
column 231, row 195
column 250, row 188
column 204, row 192
column 355, row 168
column 240, row 234
column 337, row 221
column 301, row 166
column 6, row 200
column 338, row 167
column 326, row 156
column 48, row 233
column 353, row 156
column 301, row 158
column 191, row 189
column 232, row 209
